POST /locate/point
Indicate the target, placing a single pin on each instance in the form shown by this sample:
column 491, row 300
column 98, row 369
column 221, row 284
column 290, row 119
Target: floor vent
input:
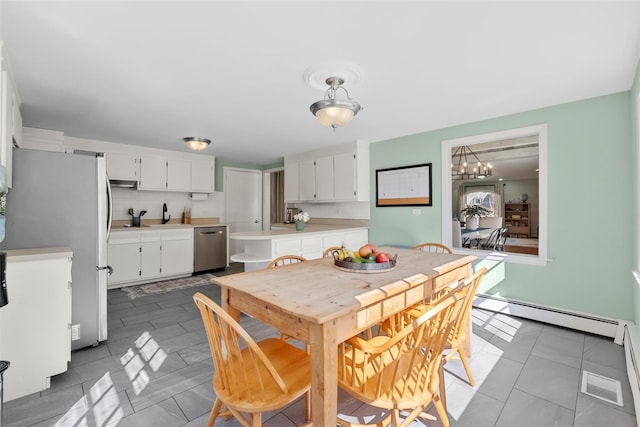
column 603, row 388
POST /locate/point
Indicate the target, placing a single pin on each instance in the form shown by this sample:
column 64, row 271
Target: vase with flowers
column 300, row 218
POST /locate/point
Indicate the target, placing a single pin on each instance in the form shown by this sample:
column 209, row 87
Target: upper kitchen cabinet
column 159, row 173
column 203, row 176
column 123, row 166
column 335, row 174
column 10, row 116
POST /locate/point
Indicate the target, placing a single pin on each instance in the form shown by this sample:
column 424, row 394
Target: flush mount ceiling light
column 461, row 166
column 334, row 112
column 196, row 143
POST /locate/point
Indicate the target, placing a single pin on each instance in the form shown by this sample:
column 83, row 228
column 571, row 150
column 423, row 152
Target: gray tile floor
column 155, row 370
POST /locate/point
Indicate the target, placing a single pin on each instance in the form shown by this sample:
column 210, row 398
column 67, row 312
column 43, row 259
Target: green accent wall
column 590, row 196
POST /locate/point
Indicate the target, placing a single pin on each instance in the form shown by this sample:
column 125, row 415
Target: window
column 515, row 191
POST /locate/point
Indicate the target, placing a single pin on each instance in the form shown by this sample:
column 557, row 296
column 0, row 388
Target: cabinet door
column 291, row 181
column 202, row 176
column 122, row 166
column 307, row 180
column 177, row 257
column 150, row 260
column 345, row 176
column 324, row 178
column 125, row 261
column 153, row 173
column 6, row 126
column 179, row 175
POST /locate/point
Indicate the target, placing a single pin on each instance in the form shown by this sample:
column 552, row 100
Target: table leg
column 324, row 374
column 224, row 299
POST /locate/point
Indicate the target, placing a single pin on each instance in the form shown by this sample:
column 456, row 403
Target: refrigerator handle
column 109, row 209
column 108, row 268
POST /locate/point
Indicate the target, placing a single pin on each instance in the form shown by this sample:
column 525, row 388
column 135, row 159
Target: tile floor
column 155, row 370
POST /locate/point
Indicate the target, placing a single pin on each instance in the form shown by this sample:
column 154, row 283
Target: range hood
column 124, row 183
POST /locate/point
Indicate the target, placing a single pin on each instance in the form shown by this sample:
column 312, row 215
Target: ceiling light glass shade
column 196, row 143
column 333, row 112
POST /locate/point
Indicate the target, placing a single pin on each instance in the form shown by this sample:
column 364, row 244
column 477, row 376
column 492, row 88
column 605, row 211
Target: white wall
column 152, row 201
column 351, row 210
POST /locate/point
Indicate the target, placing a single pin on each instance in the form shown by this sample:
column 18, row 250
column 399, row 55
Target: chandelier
column 465, row 164
column 333, row 112
column 196, row 143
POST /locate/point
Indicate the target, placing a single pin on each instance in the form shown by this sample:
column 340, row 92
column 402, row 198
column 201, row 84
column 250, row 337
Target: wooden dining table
column 322, row 305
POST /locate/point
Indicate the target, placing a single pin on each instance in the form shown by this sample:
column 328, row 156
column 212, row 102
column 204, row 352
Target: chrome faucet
column 164, row 211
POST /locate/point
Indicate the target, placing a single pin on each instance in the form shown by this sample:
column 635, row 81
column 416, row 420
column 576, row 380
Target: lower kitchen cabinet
column 138, row 256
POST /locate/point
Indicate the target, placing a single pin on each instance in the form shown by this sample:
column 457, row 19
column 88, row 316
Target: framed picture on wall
column 404, row 186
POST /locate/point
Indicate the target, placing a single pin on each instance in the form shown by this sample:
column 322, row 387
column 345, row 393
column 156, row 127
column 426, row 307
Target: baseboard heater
column 613, row 328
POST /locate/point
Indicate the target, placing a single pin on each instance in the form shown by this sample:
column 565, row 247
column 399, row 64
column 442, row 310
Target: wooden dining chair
column 250, row 377
column 400, row 373
column 458, row 335
column 433, row 247
column 286, row 260
column 328, row 253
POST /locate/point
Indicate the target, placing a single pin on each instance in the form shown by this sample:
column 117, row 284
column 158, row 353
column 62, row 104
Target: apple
column 367, row 249
column 382, row 257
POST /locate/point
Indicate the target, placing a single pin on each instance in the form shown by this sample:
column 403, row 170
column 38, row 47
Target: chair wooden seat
column 251, row 377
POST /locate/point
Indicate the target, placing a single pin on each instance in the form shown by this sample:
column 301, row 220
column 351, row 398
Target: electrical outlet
column 75, row 332
column 416, row 211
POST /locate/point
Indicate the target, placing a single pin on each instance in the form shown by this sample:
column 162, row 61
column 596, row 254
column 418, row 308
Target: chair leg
column 444, row 418
column 307, row 405
column 442, row 389
column 467, row 368
column 214, row 412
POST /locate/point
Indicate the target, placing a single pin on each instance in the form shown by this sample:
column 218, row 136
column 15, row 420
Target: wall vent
column 602, row 388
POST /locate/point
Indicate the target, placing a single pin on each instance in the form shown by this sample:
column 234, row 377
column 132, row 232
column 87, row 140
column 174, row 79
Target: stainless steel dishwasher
column 210, row 248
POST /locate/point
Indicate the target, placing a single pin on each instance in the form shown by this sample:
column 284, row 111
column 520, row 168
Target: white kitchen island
column 261, row 247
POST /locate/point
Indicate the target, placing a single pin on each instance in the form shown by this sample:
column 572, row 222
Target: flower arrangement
column 301, row 216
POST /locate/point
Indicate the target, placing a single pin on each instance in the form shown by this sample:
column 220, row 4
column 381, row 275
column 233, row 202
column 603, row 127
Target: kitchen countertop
column 15, row 255
column 156, row 224
column 288, row 230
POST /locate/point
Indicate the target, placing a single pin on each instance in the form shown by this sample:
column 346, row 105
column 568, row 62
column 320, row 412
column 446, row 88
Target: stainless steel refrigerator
column 60, row 199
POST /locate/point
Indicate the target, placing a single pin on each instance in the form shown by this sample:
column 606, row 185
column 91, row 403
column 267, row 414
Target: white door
column 243, row 203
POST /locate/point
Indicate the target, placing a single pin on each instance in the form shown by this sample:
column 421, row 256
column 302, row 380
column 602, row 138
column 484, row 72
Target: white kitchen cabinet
column 345, row 177
column 177, row 252
column 324, row 179
column 124, row 166
column 291, row 180
column 334, row 174
column 159, row 173
column 138, row 256
column 150, row 260
column 307, row 180
column 178, row 175
column 124, row 259
column 35, row 334
column 153, row 173
column 203, row 176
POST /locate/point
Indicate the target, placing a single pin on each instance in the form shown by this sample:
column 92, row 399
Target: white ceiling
column 151, row 72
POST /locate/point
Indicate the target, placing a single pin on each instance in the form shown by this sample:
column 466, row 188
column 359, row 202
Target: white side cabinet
column 291, row 180
column 153, row 173
column 178, row 175
column 138, row 256
column 35, row 334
